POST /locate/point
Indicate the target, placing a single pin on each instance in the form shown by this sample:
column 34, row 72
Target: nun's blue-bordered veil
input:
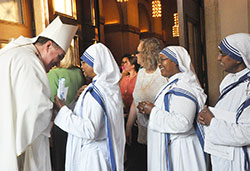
column 106, row 80
column 180, row 56
column 237, row 47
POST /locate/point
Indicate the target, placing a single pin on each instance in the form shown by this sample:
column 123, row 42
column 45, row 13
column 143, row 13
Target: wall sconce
column 156, row 8
column 175, row 28
column 121, row 0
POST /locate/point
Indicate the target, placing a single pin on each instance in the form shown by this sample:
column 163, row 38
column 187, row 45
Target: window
column 67, row 7
column 11, row 10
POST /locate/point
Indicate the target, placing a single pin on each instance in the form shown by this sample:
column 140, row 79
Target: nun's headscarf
column 180, row 56
column 237, row 46
column 106, row 80
column 107, row 73
column 101, row 59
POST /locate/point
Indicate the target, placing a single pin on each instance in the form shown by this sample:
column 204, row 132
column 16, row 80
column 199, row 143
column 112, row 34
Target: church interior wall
column 123, row 24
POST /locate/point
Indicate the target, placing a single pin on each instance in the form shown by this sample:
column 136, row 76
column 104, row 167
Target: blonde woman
column 148, row 83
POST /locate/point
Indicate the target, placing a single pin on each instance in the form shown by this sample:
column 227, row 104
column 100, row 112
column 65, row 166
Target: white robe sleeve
column 178, row 120
column 231, row 134
column 87, row 126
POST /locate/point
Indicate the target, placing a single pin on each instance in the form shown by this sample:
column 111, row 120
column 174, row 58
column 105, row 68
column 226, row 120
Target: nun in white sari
column 227, row 131
column 95, row 127
column 175, row 140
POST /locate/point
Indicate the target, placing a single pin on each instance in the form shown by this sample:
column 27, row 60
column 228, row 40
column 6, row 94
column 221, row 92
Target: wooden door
column 191, row 37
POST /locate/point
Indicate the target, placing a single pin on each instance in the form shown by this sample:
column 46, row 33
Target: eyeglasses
column 57, row 48
column 137, row 52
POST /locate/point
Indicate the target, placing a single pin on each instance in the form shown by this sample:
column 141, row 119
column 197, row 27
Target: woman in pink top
column 127, row 83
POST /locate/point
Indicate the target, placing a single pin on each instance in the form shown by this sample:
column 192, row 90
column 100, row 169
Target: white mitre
column 60, row 33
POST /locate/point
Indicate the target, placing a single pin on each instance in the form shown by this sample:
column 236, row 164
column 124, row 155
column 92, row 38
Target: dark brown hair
column 42, row 40
column 133, row 61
